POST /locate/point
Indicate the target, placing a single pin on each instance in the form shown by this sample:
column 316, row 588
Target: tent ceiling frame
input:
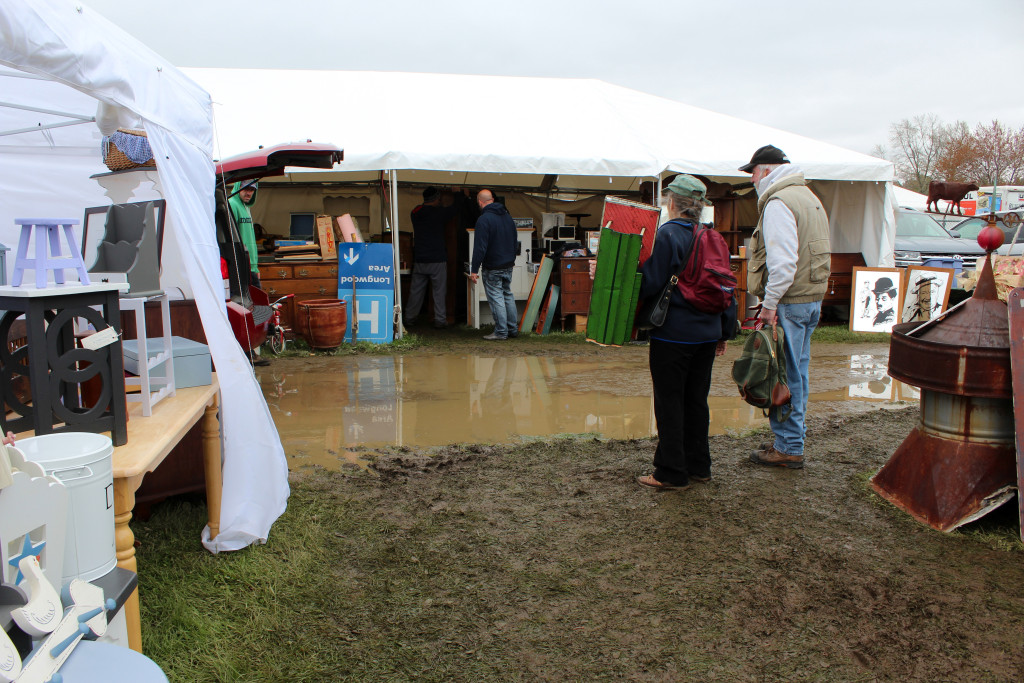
column 76, row 118
column 44, row 126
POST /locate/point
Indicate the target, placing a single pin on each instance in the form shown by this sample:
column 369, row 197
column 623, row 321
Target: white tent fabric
column 63, row 57
column 909, row 198
column 588, row 130
column 915, row 200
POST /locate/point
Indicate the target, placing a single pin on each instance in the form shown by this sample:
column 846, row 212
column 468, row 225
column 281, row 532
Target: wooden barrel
column 321, row 322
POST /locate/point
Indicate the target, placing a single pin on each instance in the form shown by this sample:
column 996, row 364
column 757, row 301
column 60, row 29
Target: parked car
column 920, row 238
column 249, row 309
column 969, row 228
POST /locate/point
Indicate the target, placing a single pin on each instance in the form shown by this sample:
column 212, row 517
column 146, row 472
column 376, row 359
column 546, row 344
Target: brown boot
column 777, row 459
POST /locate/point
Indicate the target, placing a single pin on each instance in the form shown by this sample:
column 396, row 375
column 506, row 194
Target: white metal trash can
column 83, row 462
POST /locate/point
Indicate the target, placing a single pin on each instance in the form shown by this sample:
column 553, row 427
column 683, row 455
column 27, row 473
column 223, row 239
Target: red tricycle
column 276, row 331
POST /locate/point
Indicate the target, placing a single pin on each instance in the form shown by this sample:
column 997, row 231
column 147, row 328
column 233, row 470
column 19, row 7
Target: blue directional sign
column 371, row 267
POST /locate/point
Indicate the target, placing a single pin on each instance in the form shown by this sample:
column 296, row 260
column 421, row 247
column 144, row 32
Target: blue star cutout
column 28, row 549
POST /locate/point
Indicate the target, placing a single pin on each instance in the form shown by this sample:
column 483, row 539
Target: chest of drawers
column 575, row 286
column 304, row 279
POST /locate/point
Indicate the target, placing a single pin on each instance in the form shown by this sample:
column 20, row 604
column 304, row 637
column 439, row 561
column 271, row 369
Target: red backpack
column 707, row 282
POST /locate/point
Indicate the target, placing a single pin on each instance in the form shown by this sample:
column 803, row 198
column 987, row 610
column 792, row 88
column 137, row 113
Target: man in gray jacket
column 788, row 268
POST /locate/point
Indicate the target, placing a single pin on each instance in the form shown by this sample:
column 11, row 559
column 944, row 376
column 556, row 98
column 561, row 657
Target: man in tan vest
column 788, row 269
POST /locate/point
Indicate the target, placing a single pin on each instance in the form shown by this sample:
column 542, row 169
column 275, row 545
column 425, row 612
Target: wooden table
column 150, row 439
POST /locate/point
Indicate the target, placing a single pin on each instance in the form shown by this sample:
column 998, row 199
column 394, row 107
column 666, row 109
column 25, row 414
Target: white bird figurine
column 43, row 611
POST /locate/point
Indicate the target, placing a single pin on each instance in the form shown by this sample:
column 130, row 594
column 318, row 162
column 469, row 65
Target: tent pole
column 399, row 329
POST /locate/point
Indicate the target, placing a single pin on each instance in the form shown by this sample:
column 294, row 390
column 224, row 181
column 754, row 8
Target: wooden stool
column 147, row 396
column 46, row 231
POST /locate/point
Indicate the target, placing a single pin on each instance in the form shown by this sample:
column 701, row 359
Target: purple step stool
column 46, row 230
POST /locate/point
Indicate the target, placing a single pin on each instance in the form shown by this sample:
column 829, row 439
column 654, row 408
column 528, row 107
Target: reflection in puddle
column 330, row 414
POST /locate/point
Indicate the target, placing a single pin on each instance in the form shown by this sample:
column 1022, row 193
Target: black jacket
column 428, row 230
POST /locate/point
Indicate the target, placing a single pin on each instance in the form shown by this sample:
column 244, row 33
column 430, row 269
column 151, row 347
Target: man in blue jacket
column 494, row 248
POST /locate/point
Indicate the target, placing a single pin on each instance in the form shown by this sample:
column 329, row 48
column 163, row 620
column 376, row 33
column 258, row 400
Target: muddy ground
column 546, row 561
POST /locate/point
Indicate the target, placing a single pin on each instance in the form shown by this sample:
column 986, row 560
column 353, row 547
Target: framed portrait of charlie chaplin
column 876, row 299
column 926, row 294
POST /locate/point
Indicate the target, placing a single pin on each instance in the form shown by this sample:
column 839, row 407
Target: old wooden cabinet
column 305, row 279
column 575, row 286
column 840, row 282
column 738, row 266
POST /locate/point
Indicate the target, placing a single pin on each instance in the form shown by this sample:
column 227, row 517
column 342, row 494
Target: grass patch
column 998, row 530
column 832, row 334
column 451, row 338
column 837, row 334
column 461, row 337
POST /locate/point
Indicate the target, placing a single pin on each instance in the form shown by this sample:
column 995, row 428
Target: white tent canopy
column 511, row 131
column 61, row 63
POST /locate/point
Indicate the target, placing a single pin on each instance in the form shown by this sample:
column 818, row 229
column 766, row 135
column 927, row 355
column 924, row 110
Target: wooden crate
column 575, row 323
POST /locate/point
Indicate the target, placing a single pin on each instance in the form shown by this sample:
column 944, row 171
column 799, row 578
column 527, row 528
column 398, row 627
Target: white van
column 1007, row 198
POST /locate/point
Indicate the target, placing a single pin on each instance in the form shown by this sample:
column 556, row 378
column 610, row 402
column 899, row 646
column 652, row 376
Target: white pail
column 84, row 463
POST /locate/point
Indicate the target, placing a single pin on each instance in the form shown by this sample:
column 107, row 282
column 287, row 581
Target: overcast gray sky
column 841, row 72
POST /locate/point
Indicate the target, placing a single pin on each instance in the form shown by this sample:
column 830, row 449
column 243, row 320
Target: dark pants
column 681, row 374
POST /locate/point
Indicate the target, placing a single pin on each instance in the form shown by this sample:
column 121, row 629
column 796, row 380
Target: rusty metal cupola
column 959, row 462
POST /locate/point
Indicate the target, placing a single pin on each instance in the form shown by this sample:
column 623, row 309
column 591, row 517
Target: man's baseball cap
column 431, row 193
column 769, row 154
column 688, row 186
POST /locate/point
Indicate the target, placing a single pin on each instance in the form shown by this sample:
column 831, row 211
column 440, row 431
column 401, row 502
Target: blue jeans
column 498, row 287
column 798, row 322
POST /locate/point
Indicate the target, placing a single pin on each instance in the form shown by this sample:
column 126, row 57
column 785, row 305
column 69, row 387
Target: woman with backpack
column 683, row 349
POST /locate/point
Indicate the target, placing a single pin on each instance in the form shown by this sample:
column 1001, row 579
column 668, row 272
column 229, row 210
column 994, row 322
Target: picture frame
column 926, row 293
column 876, row 298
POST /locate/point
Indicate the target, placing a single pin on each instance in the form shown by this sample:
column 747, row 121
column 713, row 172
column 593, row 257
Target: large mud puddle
column 330, row 411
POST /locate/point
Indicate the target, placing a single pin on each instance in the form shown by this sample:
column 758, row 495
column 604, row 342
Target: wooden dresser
column 305, row 279
column 738, row 266
column 840, row 282
column 575, row 286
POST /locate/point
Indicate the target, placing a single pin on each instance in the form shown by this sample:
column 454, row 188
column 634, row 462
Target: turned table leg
column 124, row 540
column 212, row 463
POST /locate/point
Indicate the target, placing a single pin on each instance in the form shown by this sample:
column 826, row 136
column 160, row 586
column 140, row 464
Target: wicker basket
column 116, row 160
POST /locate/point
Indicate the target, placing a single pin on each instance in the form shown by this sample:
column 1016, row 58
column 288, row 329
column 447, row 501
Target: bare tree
column 917, row 144
column 957, row 159
column 995, row 151
column 923, row 149
column 1015, row 164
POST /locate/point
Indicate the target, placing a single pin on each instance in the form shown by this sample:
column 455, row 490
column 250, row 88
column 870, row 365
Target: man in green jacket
column 789, row 266
column 243, row 195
